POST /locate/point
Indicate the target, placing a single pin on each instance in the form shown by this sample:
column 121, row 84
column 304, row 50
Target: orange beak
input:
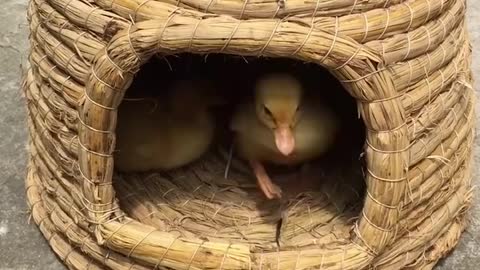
column 284, row 140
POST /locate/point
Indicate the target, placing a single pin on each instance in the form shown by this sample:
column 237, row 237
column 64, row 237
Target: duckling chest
column 310, row 141
column 307, row 146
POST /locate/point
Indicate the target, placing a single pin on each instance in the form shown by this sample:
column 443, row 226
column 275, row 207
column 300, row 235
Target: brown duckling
column 281, row 126
column 155, row 134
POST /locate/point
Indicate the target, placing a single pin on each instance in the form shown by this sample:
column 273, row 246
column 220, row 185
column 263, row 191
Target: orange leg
column 265, row 183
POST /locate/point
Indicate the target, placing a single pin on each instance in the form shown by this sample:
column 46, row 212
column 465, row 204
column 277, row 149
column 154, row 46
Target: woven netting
column 405, row 62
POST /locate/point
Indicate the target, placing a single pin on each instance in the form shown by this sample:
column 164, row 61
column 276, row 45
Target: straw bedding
column 407, row 63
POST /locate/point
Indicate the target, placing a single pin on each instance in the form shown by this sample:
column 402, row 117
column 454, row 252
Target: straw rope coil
column 407, row 63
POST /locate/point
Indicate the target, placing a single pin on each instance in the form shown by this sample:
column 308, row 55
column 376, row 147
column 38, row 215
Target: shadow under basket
column 406, row 65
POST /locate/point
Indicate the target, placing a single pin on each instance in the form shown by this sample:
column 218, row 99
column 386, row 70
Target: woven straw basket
column 406, row 63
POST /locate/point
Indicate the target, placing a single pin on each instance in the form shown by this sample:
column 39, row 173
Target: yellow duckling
column 281, row 126
column 154, row 134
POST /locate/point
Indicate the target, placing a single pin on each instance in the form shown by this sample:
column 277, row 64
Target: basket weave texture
column 407, row 63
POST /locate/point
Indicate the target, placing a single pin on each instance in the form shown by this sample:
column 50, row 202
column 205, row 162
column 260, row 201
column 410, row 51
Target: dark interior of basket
column 214, row 199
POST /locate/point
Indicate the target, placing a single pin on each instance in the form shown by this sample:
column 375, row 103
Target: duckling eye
column 267, row 111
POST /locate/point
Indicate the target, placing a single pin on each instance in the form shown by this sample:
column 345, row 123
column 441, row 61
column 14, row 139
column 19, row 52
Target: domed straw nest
column 406, row 63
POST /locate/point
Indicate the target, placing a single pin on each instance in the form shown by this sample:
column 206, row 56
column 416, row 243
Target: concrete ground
column 22, row 246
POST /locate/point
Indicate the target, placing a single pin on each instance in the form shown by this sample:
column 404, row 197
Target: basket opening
column 196, row 200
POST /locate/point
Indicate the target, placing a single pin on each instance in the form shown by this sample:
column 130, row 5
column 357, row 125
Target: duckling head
column 277, row 103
